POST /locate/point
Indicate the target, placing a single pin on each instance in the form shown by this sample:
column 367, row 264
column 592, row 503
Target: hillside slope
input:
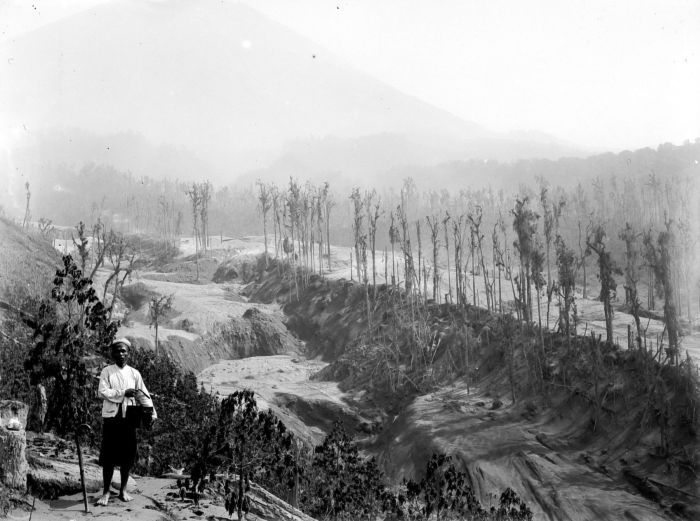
column 552, row 449
column 27, row 262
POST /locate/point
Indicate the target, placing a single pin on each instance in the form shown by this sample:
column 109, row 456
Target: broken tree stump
column 13, row 444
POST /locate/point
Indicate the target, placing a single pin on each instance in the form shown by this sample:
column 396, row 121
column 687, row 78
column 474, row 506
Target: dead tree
column 632, row 276
column 583, row 253
column 498, row 261
column 447, row 251
column 475, row 218
column 434, row 226
column 525, row 226
column 318, row 202
column 458, row 239
column 205, row 190
column 551, row 214
column 472, row 248
column 27, row 213
column 167, row 219
column 659, row 259
column 357, row 228
column 96, row 250
column 195, row 196
column 420, row 255
column 121, row 258
column 393, row 239
column 536, row 268
column 406, row 248
column 328, row 204
column 158, row 308
column 276, row 225
column 606, row 271
column 373, row 214
column 567, row 282
column 264, row 204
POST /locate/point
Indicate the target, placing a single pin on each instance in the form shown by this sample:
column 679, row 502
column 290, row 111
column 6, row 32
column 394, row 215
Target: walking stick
column 82, row 427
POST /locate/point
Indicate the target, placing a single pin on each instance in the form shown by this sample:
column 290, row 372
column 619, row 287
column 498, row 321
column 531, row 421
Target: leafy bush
column 68, row 330
column 14, row 378
column 187, row 415
column 445, row 493
column 5, row 503
column 153, row 252
column 252, row 444
column 136, row 295
column 341, row 484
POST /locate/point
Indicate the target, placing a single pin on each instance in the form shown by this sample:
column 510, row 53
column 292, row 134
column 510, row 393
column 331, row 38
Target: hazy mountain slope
column 212, row 89
column 384, row 160
column 217, row 76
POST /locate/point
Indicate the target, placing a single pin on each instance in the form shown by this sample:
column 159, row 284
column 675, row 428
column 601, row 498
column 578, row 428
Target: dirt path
column 157, row 499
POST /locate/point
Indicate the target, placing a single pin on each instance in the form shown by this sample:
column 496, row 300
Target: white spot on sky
column 246, row 44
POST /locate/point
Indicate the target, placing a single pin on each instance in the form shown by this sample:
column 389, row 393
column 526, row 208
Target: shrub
column 136, row 295
column 187, row 415
column 253, row 444
column 152, row 252
column 341, row 483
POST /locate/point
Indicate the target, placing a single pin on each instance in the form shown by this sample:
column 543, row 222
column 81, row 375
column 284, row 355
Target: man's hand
column 130, row 393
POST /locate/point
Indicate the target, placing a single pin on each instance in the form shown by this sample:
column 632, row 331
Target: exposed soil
column 54, row 477
column 283, row 383
column 549, row 458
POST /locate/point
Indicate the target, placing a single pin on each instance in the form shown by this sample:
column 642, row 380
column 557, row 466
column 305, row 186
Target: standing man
column 120, row 386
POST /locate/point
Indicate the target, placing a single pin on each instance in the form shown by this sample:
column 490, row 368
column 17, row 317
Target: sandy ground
column 202, row 304
column 206, row 304
column 155, row 500
column 280, row 383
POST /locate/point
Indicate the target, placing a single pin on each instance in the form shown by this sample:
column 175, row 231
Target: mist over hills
column 216, row 89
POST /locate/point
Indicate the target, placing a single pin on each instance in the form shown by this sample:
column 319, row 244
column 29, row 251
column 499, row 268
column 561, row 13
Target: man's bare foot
column 102, row 502
column 125, row 497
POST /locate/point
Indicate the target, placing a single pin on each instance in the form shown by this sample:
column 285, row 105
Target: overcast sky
column 601, row 74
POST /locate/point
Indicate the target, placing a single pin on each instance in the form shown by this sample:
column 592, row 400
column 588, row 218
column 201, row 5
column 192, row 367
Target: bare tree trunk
column 351, row 272
column 447, row 250
column 384, row 259
column 471, row 253
column 500, row 295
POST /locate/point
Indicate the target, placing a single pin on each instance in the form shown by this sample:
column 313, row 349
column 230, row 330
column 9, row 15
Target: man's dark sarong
column 118, row 447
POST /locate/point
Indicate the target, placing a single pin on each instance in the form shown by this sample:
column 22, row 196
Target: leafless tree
column 434, row 225
column 525, row 226
column 632, row 276
column 606, row 271
column 264, row 204
column 158, row 308
column 658, row 255
column 27, row 212
column 374, row 212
